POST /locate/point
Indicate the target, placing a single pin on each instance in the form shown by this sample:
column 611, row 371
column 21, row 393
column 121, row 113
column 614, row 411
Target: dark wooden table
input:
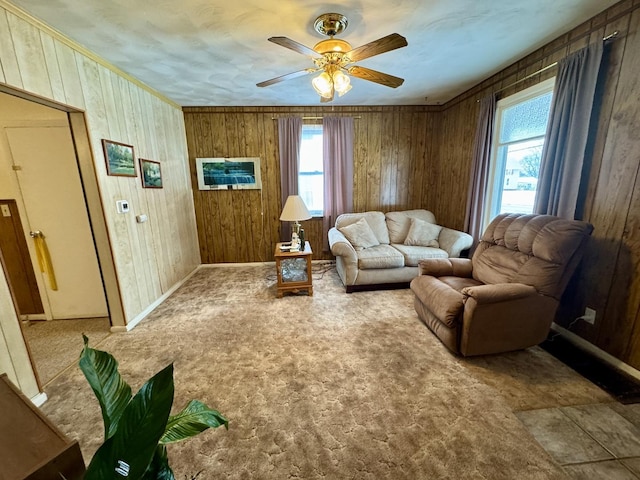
column 31, row 447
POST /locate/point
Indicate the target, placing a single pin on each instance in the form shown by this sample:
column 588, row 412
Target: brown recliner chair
column 506, row 296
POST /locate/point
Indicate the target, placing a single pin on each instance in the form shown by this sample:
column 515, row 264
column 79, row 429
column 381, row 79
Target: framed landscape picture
column 150, row 173
column 119, row 158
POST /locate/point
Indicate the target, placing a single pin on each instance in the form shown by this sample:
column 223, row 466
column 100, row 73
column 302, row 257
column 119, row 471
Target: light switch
column 122, row 206
column 5, row 210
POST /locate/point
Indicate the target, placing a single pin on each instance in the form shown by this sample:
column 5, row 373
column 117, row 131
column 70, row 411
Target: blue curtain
column 565, row 163
column 480, row 167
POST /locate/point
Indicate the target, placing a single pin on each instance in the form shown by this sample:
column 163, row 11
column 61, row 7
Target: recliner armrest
column 444, row 302
column 499, row 292
column 445, row 267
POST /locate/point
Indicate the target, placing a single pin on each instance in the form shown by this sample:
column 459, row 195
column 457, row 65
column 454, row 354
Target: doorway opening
column 54, row 246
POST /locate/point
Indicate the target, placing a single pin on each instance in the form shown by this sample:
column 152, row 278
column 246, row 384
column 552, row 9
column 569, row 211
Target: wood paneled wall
column 420, row 157
column 393, row 154
column 609, row 280
column 149, row 257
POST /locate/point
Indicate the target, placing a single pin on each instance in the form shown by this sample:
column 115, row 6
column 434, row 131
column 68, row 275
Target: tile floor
column 591, row 442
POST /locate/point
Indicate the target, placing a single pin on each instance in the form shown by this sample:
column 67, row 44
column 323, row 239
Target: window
column 310, row 174
column 521, row 123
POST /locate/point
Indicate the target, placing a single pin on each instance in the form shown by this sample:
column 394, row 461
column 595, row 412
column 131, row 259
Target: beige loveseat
column 383, row 250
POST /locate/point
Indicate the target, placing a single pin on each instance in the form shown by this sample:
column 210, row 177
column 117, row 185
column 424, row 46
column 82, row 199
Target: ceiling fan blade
column 288, row 76
column 375, row 76
column 295, row 46
column 382, row 45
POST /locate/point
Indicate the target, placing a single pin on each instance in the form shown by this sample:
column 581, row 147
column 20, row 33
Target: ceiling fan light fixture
column 323, row 84
column 341, row 82
column 332, row 45
column 330, row 24
column 333, row 58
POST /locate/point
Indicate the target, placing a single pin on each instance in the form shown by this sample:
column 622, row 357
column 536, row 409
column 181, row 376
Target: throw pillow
column 423, row 234
column 360, row 235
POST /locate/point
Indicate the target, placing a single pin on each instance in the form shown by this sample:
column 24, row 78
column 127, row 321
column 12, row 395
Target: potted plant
column 138, row 428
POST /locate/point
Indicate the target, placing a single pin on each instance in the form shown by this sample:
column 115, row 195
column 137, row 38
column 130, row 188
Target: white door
column 45, row 163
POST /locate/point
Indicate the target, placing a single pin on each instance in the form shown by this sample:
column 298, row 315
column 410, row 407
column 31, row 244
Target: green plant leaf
column 159, row 467
column 112, row 392
column 195, row 418
column 129, row 451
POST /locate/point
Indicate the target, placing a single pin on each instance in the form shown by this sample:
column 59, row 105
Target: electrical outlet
column 589, row 315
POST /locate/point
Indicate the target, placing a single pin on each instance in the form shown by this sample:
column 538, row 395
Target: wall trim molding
column 252, row 264
column 142, row 315
column 40, row 25
column 39, row 399
column 233, row 265
column 597, row 352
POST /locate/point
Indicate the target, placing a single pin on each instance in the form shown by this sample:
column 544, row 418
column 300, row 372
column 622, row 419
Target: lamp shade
column 341, row 83
column 294, row 210
column 323, row 84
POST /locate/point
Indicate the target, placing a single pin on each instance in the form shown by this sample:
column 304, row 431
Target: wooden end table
column 294, row 270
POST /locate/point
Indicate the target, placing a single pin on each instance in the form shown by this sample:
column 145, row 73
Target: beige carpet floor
column 55, row 344
column 333, row 386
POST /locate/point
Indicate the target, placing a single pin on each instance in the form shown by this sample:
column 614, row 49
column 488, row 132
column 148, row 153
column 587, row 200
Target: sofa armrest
column 454, row 241
column 340, row 246
column 499, row 292
column 445, row 267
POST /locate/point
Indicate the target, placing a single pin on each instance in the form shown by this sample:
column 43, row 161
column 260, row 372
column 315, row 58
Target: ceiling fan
column 333, row 57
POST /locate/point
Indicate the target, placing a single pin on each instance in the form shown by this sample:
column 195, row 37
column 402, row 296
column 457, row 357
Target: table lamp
column 295, row 210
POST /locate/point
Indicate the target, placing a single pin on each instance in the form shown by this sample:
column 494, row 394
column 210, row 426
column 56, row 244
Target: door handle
column 36, row 234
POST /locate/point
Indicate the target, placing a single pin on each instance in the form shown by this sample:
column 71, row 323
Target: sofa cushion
column 375, row 220
column 380, row 256
column 423, row 234
column 360, row 235
column 413, row 254
column 398, row 223
column 458, row 283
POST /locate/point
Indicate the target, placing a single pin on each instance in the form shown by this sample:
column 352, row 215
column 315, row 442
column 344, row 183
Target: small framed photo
column 119, row 158
column 150, row 173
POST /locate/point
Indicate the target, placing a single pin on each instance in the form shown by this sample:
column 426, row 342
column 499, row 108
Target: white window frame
column 496, row 178
column 315, row 213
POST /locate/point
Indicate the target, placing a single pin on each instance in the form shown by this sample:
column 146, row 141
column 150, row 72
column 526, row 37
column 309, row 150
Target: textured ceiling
column 213, row 52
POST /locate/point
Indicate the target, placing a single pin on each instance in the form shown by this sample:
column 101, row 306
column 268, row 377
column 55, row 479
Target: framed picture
column 150, row 173
column 119, row 158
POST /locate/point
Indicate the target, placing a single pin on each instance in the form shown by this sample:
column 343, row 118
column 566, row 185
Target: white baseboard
column 234, row 265
column 33, row 316
column 82, row 317
column 142, row 315
column 595, row 351
column 251, row 264
column 39, row 399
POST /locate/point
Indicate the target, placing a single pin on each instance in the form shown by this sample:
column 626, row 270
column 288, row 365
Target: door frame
column 91, row 189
